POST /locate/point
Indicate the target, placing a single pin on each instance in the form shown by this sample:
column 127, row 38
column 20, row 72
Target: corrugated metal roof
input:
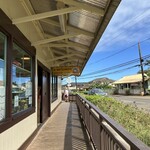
column 131, row 79
column 82, row 39
column 98, row 3
column 70, row 28
column 84, row 20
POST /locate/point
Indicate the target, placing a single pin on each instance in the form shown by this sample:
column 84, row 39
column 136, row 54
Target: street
column 142, row 102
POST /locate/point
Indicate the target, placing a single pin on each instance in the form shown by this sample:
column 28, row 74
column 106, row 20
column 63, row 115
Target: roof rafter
column 29, row 9
column 69, row 44
column 65, row 61
column 45, row 15
column 53, row 39
column 77, row 51
column 61, row 57
column 65, row 56
column 62, row 18
column 55, row 51
column 78, row 55
column 60, row 50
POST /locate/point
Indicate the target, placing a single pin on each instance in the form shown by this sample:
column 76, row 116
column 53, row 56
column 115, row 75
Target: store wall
column 14, row 137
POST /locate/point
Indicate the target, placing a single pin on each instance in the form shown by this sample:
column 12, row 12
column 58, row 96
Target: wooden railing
column 104, row 132
column 72, row 97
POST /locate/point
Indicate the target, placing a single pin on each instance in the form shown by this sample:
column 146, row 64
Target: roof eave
column 113, row 5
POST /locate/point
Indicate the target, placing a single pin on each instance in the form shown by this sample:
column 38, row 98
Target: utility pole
column 142, row 71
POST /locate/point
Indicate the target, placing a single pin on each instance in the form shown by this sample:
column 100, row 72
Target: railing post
column 89, row 128
column 100, row 134
column 104, row 132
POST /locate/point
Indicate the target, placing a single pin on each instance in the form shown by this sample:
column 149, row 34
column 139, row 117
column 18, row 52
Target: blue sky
column 119, row 43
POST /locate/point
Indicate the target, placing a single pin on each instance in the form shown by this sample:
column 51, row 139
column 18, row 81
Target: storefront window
column 3, row 46
column 21, row 80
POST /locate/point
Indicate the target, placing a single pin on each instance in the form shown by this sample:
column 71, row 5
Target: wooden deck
column 62, row 131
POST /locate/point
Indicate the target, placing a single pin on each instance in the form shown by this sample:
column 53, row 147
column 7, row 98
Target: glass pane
column 3, row 44
column 21, row 80
column 54, row 88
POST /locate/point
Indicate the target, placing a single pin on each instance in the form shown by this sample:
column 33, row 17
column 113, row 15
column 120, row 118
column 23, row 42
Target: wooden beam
column 61, row 57
column 68, row 27
column 77, row 30
column 85, row 6
column 74, row 53
column 62, row 18
column 53, row 39
column 50, row 21
column 55, row 51
column 65, row 61
column 78, row 55
column 79, row 51
column 66, row 56
column 50, row 52
column 45, row 15
column 69, row 44
column 29, row 10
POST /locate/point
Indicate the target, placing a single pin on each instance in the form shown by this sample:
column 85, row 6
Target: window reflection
column 21, row 80
column 3, row 43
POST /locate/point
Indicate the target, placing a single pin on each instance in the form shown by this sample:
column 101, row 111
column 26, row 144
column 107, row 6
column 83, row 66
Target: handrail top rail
column 129, row 137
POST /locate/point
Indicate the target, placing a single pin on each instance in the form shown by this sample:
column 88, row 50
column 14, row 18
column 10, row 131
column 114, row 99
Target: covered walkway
column 62, row 131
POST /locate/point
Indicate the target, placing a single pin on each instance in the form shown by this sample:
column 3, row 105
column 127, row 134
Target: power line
column 117, row 66
column 118, row 71
column 120, row 51
column 111, row 72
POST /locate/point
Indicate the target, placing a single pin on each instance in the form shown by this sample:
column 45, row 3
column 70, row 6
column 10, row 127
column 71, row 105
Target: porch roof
column 67, row 31
column 131, row 79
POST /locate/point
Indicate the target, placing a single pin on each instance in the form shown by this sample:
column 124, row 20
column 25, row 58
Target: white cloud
column 130, row 24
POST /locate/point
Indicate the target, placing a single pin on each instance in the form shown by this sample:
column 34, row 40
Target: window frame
column 13, row 34
column 32, row 77
column 54, row 85
column 5, row 59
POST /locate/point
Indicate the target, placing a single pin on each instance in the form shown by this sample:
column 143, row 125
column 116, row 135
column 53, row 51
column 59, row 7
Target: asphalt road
column 142, row 102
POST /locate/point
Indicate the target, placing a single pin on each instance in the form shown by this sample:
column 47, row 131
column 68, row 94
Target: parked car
column 97, row 91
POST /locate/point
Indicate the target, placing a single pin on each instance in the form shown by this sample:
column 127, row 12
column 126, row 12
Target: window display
column 21, row 80
column 17, row 75
column 3, row 45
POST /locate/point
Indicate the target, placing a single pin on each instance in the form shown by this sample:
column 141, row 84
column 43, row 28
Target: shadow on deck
column 62, row 131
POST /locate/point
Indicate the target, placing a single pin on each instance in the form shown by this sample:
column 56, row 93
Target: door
column 39, row 100
column 45, row 96
column 43, row 103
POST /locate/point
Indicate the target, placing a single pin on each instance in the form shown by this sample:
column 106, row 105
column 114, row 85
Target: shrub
column 131, row 118
column 127, row 91
column 115, row 91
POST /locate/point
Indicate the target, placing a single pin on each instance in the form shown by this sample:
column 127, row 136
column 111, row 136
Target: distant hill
column 87, row 84
column 102, row 80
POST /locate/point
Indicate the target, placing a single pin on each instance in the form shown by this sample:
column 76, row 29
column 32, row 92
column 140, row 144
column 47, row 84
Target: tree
column 146, row 71
column 147, row 63
column 101, row 86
